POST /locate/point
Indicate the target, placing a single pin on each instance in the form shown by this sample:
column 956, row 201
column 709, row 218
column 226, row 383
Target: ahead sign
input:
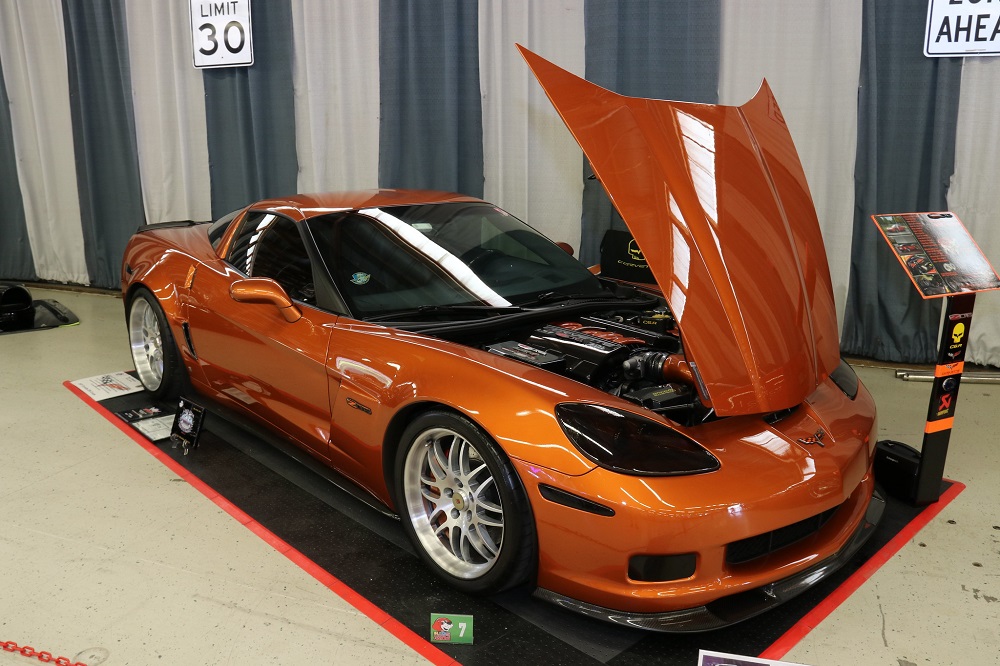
column 962, row 28
column 221, row 33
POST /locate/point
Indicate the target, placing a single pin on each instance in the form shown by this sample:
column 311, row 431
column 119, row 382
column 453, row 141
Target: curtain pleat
column 646, row 48
column 973, row 194
column 431, row 128
column 15, row 249
column 33, row 51
column 107, row 164
column 169, row 104
column 907, row 114
column 335, row 72
column 250, row 117
column 531, row 162
column 811, row 60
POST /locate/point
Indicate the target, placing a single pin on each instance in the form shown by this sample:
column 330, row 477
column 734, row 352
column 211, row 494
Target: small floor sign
column 450, row 628
column 187, row 425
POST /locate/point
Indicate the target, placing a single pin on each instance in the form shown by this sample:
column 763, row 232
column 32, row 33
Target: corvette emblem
column 357, row 405
column 816, row 438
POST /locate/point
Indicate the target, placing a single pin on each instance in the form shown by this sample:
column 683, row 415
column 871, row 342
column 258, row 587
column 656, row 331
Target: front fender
column 396, row 372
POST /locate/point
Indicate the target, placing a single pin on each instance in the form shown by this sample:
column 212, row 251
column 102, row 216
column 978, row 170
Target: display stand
column 944, row 397
column 942, row 261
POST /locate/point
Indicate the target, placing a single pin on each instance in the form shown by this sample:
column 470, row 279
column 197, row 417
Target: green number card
column 450, row 628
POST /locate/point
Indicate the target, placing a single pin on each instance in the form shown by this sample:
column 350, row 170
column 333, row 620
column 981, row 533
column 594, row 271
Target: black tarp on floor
column 295, row 498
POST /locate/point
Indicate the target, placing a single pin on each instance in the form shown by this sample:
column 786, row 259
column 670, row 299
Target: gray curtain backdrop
column 107, row 163
column 907, row 115
column 250, row 117
column 431, row 127
column 646, row 48
column 15, row 250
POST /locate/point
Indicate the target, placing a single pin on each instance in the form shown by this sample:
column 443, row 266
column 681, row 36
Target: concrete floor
column 107, row 557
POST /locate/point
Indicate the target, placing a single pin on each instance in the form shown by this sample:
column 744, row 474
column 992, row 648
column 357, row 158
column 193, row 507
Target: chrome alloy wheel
column 453, row 503
column 146, row 340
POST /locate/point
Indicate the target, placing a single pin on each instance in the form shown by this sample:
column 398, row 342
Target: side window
column 269, row 245
column 219, row 227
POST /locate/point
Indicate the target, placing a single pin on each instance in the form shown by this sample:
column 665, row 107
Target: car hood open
column 717, row 201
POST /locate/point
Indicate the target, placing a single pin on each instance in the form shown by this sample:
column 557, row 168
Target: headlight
column 630, row 444
column 845, row 378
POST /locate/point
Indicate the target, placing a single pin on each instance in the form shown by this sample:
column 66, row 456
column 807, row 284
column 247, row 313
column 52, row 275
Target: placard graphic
column 711, row 658
column 221, row 33
column 187, row 425
column 155, row 429
column 110, row 385
column 938, row 253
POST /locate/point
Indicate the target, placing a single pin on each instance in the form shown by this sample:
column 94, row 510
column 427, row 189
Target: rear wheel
column 462, row 505
column 155, row 355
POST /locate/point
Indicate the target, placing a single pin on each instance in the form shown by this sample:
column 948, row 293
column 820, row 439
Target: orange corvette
column 675, row 456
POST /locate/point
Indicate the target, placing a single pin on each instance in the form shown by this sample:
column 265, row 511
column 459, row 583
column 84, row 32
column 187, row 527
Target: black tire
column 471, row 553
column 155, row 355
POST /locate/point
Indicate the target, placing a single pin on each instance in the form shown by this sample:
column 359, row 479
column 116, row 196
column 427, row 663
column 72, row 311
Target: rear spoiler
column 169, row 225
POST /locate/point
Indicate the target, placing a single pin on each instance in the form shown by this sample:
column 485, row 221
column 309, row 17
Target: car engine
column 635, row 355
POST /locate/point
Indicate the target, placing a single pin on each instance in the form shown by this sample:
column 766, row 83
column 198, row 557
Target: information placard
column 937, row 253
column 711, row 658
column 221, row 34
column 187, row 424
column 110, row 385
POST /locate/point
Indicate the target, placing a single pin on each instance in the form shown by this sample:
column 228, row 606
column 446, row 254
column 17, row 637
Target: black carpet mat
column 293, row 497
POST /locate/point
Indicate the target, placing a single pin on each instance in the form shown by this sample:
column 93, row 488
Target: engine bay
column 636, row 355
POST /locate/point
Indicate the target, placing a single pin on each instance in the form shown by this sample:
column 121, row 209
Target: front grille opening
column 745, row 550
column 661, row 568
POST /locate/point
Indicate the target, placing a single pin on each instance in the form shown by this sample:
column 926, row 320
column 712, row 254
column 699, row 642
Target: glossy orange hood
column 717, row 201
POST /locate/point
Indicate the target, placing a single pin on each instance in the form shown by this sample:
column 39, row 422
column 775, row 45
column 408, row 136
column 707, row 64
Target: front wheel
column 157, row 361
column 462, row 505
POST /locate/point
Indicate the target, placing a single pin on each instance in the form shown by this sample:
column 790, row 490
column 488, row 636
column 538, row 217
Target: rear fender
column 168, row 278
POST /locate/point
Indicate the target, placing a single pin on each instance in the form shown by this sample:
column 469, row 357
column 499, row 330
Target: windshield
column 404, row 258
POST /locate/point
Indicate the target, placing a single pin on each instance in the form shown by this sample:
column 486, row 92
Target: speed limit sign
column 221, row 34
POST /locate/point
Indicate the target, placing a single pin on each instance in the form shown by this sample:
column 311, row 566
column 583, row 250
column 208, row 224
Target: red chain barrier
column 44, row 657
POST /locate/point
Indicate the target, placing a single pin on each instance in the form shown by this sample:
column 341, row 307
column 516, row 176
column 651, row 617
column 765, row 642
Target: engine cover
column 585, row 354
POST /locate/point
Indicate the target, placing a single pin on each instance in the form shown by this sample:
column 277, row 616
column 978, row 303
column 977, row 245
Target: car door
column 272, row 369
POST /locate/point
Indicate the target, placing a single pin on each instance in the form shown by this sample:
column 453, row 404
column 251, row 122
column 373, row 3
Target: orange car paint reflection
column 717, row 200
column 344, row 389
column 307, row 379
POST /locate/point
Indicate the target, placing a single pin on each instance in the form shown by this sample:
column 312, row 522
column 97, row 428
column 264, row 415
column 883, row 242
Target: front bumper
column 738, row 607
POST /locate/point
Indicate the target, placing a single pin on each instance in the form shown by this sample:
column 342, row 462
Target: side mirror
column 566, row 247
column 265, row 290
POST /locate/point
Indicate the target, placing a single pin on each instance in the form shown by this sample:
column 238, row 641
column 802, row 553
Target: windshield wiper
column 550, row 296
column 430, row 309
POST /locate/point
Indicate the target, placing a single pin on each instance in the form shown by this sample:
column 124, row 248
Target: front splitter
column 738, row 607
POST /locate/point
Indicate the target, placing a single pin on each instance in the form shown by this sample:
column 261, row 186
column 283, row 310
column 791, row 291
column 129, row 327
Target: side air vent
column 187, row 339
column 574, row 501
